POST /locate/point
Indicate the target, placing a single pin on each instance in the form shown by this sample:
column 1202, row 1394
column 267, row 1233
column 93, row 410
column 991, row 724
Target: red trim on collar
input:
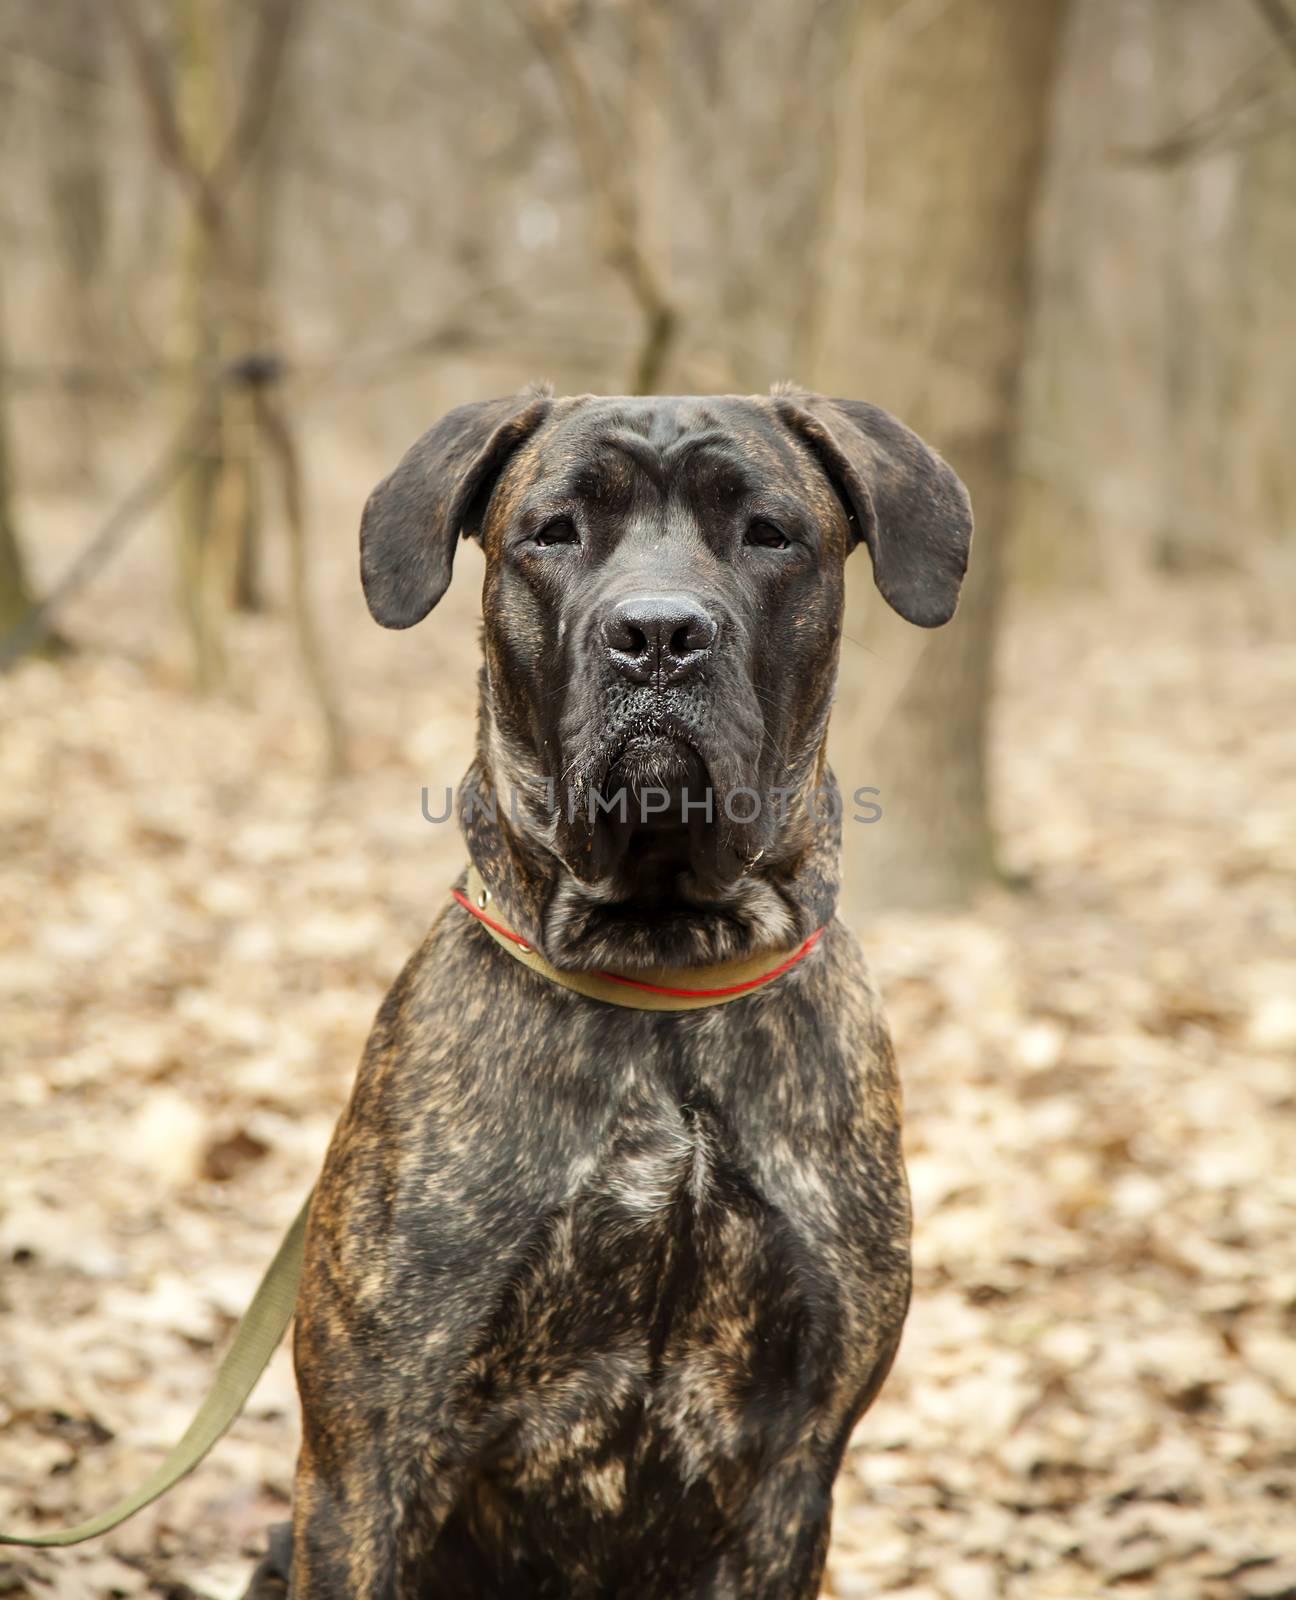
column 653, row 988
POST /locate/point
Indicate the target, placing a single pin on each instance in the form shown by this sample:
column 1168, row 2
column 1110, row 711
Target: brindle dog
column 593, row 1297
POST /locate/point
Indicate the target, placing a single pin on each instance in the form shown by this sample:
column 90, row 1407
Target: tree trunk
column 1095, row 421
column 1200, row 264
column 929, row 318
column 15, row 591
column 1261, row 505
column 199, row 490
column 78, row 204
column 255, row 213
column 1158, row 415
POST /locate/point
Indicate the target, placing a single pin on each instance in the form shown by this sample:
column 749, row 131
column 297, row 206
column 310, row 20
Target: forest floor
column 1096, row 1394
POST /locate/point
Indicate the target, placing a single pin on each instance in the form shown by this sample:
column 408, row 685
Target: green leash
column 255, row 1340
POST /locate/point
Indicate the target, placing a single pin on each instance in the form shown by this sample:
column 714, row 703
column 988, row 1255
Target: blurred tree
column 1262, row 382
column 207, row 142
column 928, row 316
column 621, row 236
column 15, row 591
column 1200, row 211
column 1157, row 403
column 213, row 491
column 78, row 195
column 257, row 206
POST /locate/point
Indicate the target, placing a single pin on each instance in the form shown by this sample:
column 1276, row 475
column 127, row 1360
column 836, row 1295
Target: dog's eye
column 768, row 535
column 561, row 530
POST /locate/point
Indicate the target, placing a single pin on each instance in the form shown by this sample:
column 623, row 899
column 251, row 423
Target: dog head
column 663, row 602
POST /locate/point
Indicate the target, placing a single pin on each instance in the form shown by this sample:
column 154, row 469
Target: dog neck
column 579, row 925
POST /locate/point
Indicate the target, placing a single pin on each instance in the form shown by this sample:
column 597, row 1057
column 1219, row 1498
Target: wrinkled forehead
column 698, row 449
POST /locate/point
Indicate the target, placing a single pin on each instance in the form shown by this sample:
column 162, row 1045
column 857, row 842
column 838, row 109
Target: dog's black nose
column 652, row 635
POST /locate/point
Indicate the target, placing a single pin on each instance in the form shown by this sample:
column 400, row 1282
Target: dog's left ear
column 901, row 499
column 441, row 489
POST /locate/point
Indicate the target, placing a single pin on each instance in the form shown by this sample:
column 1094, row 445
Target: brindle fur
column 593, row 1297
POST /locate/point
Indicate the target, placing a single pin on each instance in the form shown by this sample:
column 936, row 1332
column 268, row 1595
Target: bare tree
column 1156, row 417
column 206, row 145
column 932, row 321
column 225, row 325
column 15, row 590
column 621, row 236
column 16, row 597
column 78, row 198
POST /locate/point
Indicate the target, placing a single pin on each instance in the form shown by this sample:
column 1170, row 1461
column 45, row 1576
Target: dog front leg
column 781, row 1546
column 355, row 1535
column 345, row 1534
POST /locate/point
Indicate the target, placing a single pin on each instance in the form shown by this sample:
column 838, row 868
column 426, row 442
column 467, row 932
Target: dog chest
column 668, row 1297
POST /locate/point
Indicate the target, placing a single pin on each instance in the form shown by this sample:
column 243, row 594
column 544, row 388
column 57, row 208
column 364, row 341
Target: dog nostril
column 691, row 636
column 624, row 635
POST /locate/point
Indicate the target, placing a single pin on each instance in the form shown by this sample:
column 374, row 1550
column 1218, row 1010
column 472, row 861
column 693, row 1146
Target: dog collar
column 656, row 988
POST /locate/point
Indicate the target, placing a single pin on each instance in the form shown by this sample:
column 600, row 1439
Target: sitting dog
column 611, row 1247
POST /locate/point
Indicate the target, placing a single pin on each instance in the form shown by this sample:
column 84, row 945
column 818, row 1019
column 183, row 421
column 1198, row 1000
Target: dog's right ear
column 441, row 489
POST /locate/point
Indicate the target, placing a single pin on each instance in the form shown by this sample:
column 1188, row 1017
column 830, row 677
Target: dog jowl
column 595, row 1295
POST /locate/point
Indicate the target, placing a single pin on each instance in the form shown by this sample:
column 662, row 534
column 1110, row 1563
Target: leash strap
column 655, row 989
column 255, row 1340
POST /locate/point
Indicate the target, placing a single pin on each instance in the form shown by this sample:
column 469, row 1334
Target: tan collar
column 655, row 988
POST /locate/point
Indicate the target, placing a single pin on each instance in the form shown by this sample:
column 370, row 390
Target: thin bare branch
column 1281, row 22
column 277, row 433
column 275, row 22
column 614, row 202
column 1252, row 88
column 121, row 522
column 159, row 102
column 208, row 191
